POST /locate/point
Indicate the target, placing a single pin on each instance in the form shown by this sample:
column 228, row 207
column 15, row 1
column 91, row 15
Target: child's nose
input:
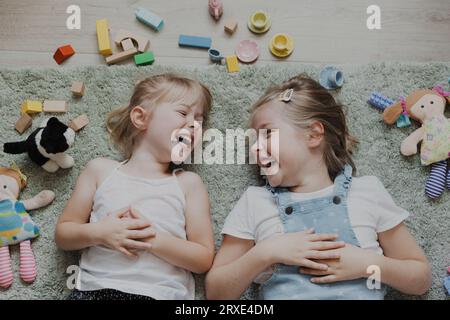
column 190, row 120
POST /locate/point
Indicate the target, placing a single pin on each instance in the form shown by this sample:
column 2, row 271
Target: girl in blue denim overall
column 315, row 231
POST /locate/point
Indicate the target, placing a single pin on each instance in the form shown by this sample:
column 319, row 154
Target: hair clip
column 286, row 96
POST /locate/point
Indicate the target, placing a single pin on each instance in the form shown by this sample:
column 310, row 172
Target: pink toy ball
column 247, row 51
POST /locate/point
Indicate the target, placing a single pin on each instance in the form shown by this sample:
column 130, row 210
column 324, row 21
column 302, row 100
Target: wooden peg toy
column 63, row 53
column 55, row 106
column 23, row 123
column 230, row 27
column 127, row 44
column 77, row 89
column 104, row 44
column 79, row 122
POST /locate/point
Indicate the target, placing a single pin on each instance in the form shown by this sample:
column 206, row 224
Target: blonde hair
column 311, row 102
column 148, row 93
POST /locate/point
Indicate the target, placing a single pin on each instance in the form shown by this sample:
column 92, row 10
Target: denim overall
column 325, row 215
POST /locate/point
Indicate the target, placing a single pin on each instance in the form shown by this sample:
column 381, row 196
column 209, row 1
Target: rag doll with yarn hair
column 16, row 225
column 427, row 106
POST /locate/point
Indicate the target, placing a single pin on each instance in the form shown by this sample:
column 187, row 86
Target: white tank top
column 162, row 202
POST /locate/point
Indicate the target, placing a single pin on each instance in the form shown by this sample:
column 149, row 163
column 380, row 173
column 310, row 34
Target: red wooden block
column 63, row 53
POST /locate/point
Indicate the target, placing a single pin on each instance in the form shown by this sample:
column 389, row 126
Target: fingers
column 309, row 231
column 140, row 245
column 141, row 234
column 135, row 213
column 127, row 253
column 327, row 245
column 122, row 212
column 133, row 224
column 321, row 255
column 326, row 279
column 315, row 272
column 323, row 237
column 313, row 265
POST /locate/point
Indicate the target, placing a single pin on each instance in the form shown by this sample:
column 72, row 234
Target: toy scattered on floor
column 149, row 18
column 281, row 45
column 127, row 44
column 427, row 107
column 259, row 22
column 77, row 89
column 142, row 42
column 54, row 106
column 230, row 27
column 379, row 101
column 144, row 59
column 194, row 42
column 215, row 8
column 23, row 123
column 120, row 56
column 16, row 225
column 247, row 51
column 331, row 78
column 46, row 145
column 63, row 53
column 215, row 55
column 104, row 44
column 232, row 64
column 79, row 122
column 31, row 106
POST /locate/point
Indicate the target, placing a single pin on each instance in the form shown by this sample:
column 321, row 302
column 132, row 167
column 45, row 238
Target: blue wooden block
column 149, row 18
column 194, row 41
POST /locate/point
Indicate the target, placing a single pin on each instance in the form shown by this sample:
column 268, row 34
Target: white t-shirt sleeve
column 238, row 222
column 388, row 213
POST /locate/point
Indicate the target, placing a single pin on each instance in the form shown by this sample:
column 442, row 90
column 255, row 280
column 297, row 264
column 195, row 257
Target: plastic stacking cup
column 335, row 78
column 215, row 55
column 259, row 20
column 280, row 43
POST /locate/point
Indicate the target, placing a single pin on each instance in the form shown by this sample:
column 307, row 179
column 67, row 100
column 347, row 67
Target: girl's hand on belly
column 122, row 231
column 352, row 264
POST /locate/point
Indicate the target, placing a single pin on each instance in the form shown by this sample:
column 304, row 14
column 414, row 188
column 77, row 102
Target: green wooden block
column 144, row 59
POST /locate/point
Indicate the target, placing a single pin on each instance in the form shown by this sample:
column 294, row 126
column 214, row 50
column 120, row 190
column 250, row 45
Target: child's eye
column 183, row 113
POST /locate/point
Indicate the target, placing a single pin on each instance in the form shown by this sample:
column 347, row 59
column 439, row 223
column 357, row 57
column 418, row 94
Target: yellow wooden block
column 232, row 64
column 30, row 106
column 104, row 45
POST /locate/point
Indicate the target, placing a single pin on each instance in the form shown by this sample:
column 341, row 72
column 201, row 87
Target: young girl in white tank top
column 143, row 229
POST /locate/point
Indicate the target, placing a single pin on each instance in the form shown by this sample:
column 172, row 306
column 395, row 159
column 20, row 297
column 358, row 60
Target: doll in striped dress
column 16, row 226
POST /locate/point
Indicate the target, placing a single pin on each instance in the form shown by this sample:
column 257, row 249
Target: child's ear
column 392, row 113
column 316, row 134
column 139, row 116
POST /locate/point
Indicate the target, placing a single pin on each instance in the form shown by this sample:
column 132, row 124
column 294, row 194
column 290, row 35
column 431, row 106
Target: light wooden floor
column 325, row 31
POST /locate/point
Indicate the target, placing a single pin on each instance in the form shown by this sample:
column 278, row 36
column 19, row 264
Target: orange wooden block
column 23, row 123
column 77, row 88
column 230, row 27
column 79, row 122
column 62, row 53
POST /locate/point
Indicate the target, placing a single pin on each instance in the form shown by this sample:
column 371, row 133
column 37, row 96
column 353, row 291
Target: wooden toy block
column 120, row 56
column 143, row 43
column 79, row 122
column 149, row 18
column 232, row 64
column 104, row 45
column 127, row 44
column 194, row 42
column 23, row 123
column 77, row 89
column 30, row 107
column 230, row 27
column 63, row 53
column 55, row 106
column 144, row 59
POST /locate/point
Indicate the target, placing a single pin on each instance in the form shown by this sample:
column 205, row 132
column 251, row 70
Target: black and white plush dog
column 46, row 145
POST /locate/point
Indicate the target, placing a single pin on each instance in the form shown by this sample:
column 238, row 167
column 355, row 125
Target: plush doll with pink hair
column 427, row 107
column 16, row 226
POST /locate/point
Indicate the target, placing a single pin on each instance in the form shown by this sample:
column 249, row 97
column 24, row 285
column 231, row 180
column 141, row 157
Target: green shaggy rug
column 108, row 87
